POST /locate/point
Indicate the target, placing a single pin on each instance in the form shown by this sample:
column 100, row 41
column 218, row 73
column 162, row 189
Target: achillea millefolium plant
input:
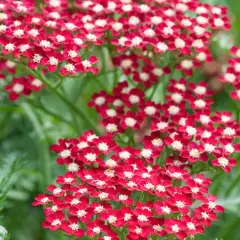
column 143, row 169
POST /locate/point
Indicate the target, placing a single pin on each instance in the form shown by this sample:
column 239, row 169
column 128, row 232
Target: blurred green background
column 27, row 165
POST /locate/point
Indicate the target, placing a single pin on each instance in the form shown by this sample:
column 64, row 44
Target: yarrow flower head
column 133, row 186
column 143, row 177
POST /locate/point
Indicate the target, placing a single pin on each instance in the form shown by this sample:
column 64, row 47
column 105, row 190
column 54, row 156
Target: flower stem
column 54, row 115
column 86, row 119
column 43, row 146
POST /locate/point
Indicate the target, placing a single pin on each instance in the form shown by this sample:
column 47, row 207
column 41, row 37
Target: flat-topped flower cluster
column 117, row 185
column 149, row 174
column 57, row 39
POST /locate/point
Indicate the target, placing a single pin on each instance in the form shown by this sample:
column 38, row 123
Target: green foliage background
column 27, row 166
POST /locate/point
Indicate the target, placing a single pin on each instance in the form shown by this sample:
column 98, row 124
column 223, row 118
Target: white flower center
column 229, row 148
column 142, row 218
column 205, row 215
column 128, row 174
column 117, row 26
column 173, row 110
column 160, row 188
column 191, row 131
column 209, row 147
column 111, row 163
column 57, row 191
column 180, row 204
column 45, row 43
column 229, row 131
column 187, row 64
column 72, row 53
column 149, row 32
column 200, row 90
column 73, row 167
column 70, row 67
column 177, row 97
column 78, row 41
column 156, row 20
column 206, row 134
column 205, row 119
column 86, row 64
column 175, row 228
column 144, row 76
column 18, row 88
column 68, row 180
column 191, row 226
column 81, row 145
column 130, row 122
column 70, row 26
column 65, row 153
column 126, row 63
column 81, row 213
column 111, row 127
column 218, row 22
column 134, row 99
column 136, row 41
column 75, row 201
column 91, row 37
column 179, row 43
column 112, row 219
column 223, row 161
column 53, row 61
column 56, row 222
column 124, row 155
column 37, row 58
column 195, row 190
column 10, row 47
column 91, row 157
column 127, row 216
column 177, row 145
column 157, row 142
column 103, row 147
column 162, row 47
column 103, row 195
column 194, row 153
column 44, row 200
column 138, row 230
column 18, row 33
column 146, row 153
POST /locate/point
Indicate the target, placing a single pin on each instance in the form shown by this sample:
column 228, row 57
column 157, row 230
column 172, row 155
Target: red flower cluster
column 116, row 187
column 55, row 39
column 23, row 86
column 123, row 185
column 232, row 73
column 141, row 69
column 48, row 40
column 111, row 191
column 184, row 123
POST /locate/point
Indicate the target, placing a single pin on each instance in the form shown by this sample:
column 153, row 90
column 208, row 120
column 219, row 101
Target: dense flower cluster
column 232, row 73
column 58, row 38
column 143, row 178
column 129, row 196
column 117, row 187
column 23, row 86
column 184, row 123
column 141, row 69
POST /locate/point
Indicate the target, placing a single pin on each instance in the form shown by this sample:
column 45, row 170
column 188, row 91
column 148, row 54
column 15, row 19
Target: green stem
column 86, row 119
column 54, row 115
column 43, row 146
column 238, row 115
column 59, row 83
column 115, row 78
column 154, row 91
column 104, row 68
